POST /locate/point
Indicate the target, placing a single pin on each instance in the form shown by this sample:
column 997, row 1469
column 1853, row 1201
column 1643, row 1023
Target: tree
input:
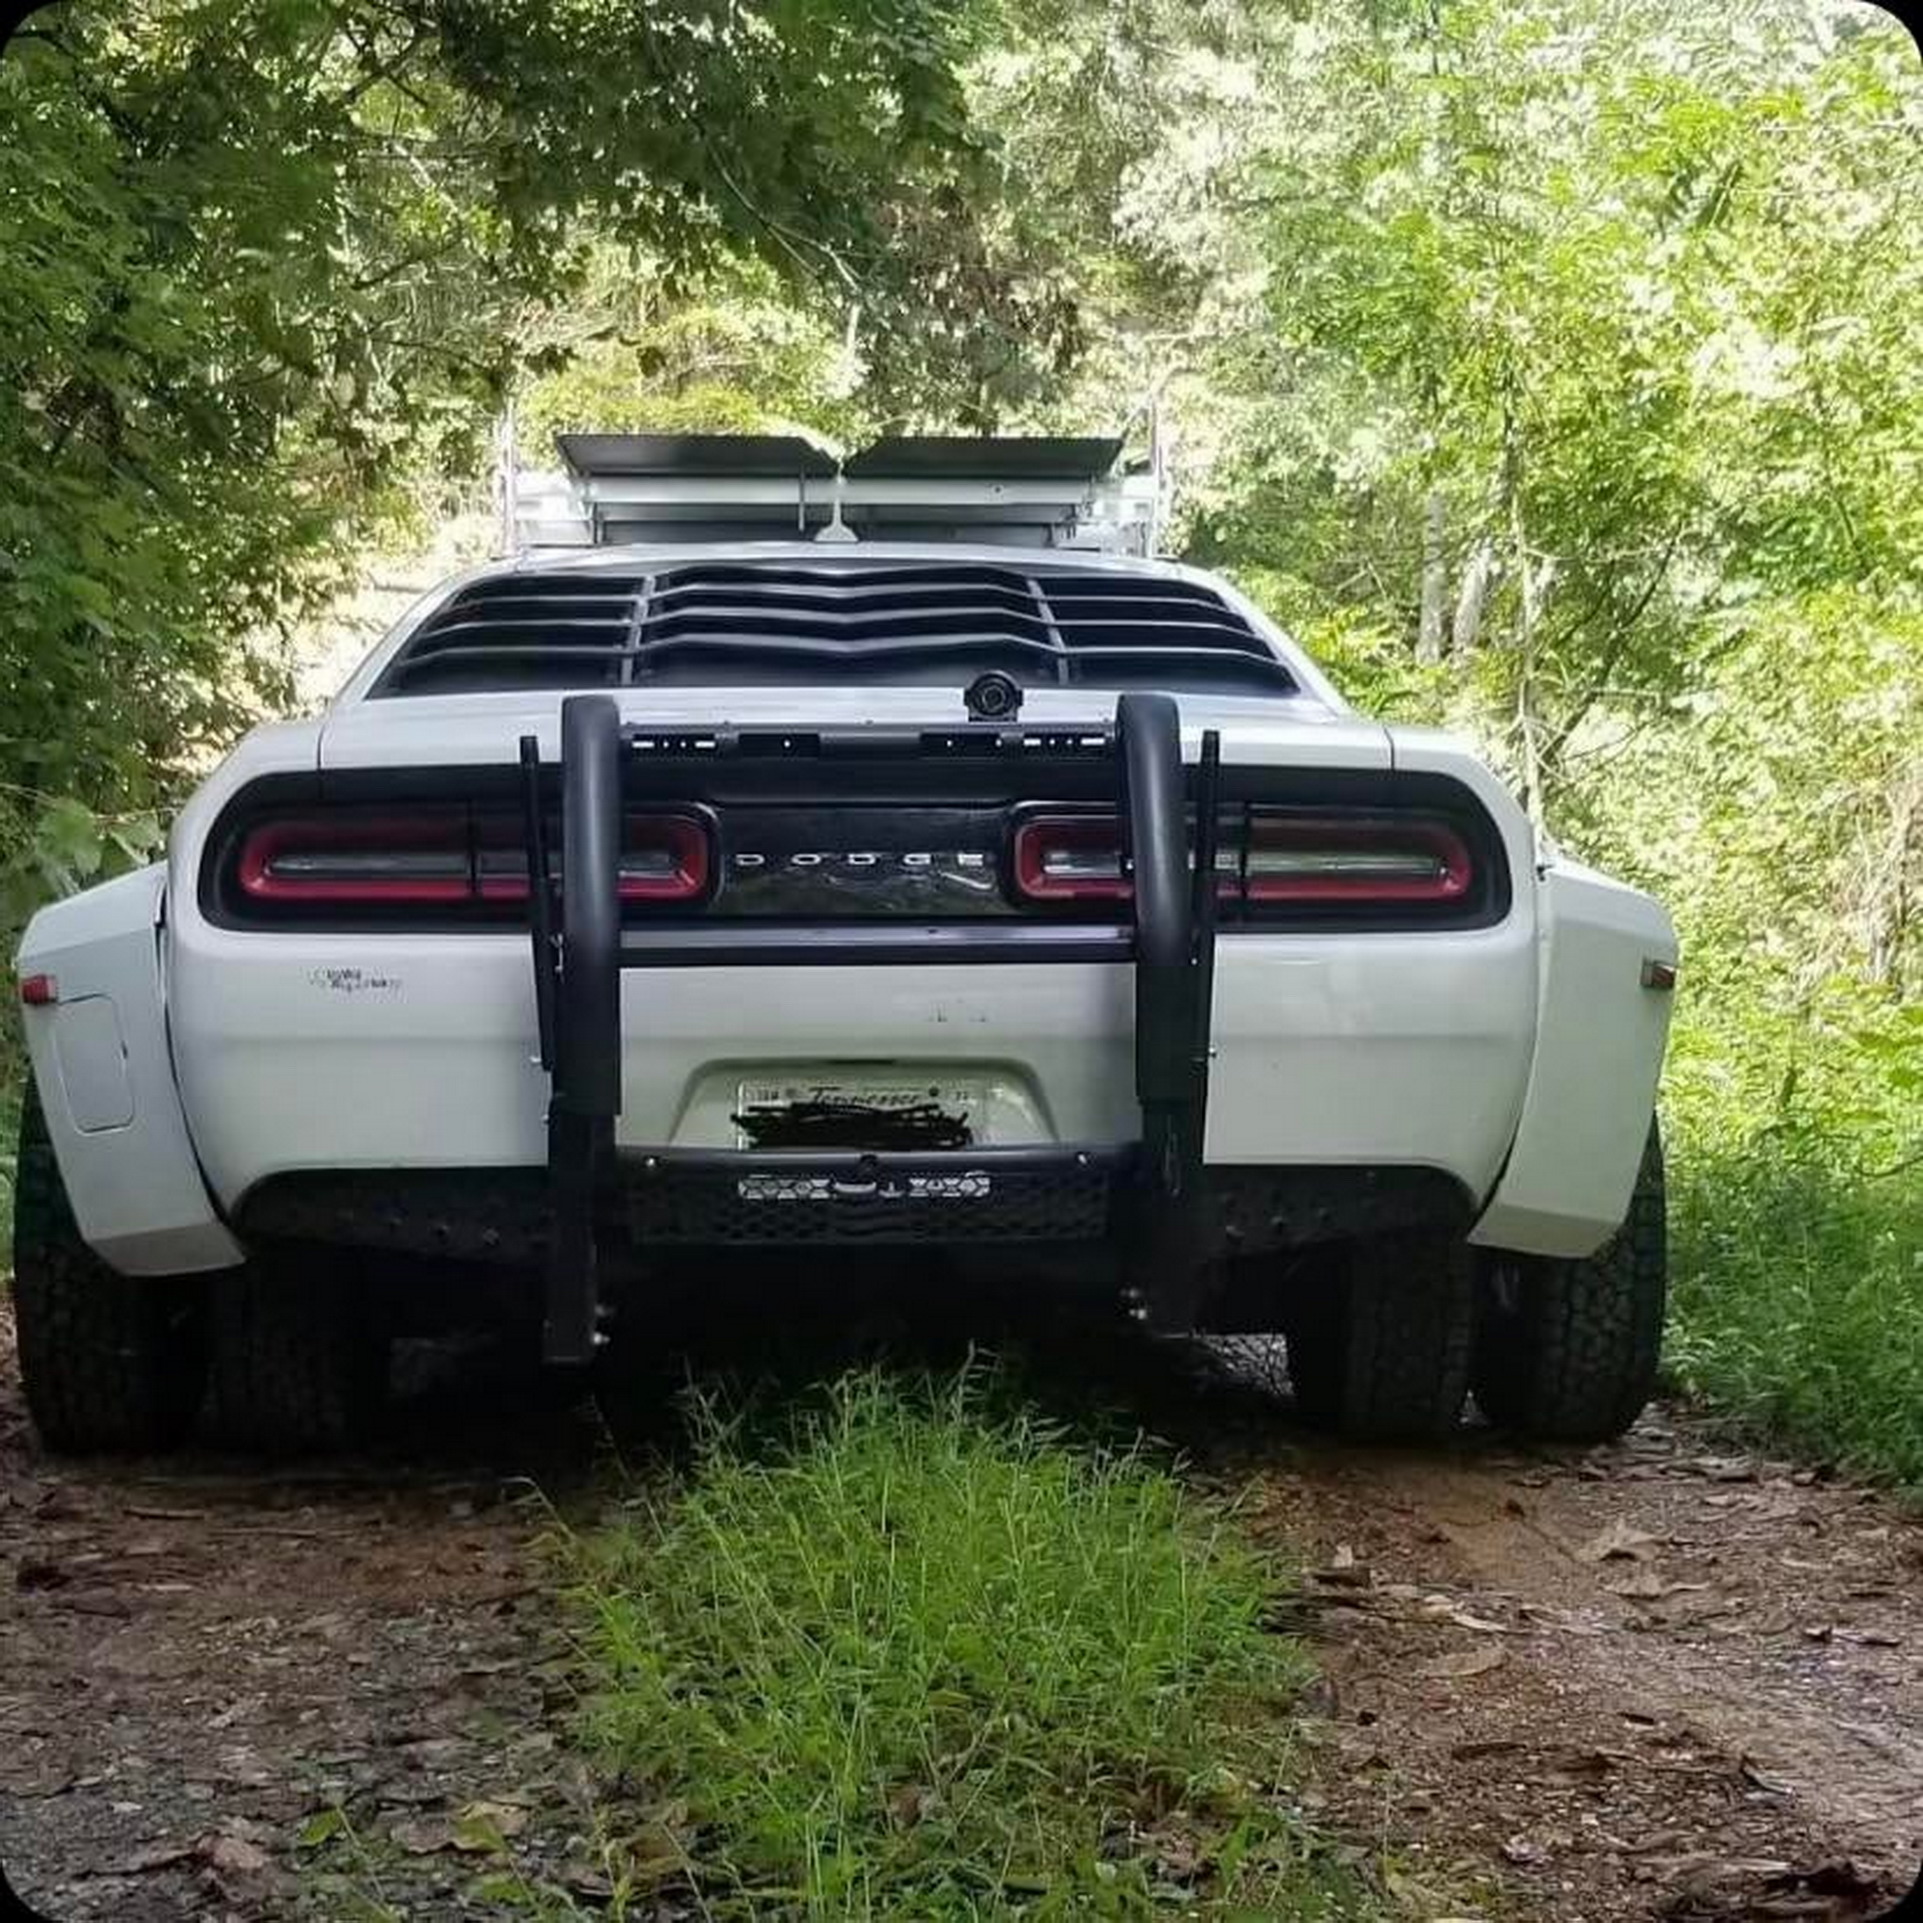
column 268, row 262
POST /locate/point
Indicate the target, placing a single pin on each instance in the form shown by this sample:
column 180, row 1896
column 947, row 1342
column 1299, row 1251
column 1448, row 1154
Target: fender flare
column 102, row 1059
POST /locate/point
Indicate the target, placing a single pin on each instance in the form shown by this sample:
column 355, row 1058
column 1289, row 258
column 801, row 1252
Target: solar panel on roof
column 984, row 457
column 761, row 456
column 1033, row 491
column 927, row 457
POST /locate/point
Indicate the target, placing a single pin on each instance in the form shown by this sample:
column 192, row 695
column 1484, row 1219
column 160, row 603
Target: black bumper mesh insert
column 737, row 1201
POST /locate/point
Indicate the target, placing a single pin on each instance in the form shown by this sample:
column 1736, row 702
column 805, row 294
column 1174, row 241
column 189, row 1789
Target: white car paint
column 425, row 730
column 1521, row 1058
column 1592, row 1083
column 136, row 1189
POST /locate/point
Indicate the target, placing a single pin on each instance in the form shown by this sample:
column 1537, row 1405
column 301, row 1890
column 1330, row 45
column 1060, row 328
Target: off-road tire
column 298, row 1355
column 107, row 1361
column 1379, row 1351
column 1567, row 1351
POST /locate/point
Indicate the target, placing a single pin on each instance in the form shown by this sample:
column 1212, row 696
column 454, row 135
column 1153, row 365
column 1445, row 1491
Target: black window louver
column 743, row 622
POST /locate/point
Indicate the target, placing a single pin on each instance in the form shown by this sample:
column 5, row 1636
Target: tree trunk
column 1471, row 598
column 1434, row 584
column 507, row 472
column 1890, row 908
column 1527, row 725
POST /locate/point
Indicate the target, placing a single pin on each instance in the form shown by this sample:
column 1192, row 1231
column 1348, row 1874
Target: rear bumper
column 1184, row 1051
column 1015, row 1200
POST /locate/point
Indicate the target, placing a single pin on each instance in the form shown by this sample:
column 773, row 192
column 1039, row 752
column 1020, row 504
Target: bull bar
column 1155, row 1185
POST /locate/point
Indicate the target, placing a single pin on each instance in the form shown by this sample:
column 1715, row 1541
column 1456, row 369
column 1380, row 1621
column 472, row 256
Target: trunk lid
column 474, row 729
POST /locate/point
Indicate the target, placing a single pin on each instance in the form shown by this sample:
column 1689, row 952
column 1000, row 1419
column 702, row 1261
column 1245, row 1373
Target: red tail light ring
column 1369, row 859
column 1070, row 858
column 663, row 858
column 438, row 857
column 1280, row 858
column 416, row 858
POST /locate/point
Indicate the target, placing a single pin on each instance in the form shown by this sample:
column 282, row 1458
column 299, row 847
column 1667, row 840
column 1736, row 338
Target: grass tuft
column 1799, row 1303
column 918, row 1655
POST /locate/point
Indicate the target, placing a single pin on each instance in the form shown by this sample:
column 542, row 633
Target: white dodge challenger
column 975, row 889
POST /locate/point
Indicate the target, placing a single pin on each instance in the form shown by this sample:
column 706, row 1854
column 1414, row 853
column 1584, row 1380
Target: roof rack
column 1039, row 491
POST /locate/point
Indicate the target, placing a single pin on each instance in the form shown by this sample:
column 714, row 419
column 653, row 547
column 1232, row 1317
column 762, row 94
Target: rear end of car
column 1043, row 909
column 824, row 963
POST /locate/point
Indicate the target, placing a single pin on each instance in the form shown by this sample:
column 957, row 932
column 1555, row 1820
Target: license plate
column 962, row 1098
column 971, row 1185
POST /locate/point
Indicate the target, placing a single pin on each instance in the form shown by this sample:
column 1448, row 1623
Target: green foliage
column 1550, row 370
column 1556, row 317
column 734, row 354
column 917, row 1655
column 272, row 270
column 1778, row 814
column 1799, row 1293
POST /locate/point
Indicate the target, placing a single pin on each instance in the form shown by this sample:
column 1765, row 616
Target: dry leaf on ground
column 1461, row 1663
column 1620, row 1540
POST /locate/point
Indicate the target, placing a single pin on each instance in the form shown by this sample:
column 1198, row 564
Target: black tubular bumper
column 577, row 958
column 583, row 988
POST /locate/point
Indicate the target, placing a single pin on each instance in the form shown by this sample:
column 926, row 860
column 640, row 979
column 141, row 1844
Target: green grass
column 1798, row 1306
column 916, row 1654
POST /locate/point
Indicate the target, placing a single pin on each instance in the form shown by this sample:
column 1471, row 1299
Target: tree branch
column 1613, row 650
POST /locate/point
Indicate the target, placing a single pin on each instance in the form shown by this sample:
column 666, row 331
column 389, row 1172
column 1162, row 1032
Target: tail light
column 1262, row 858
column 444, row 856
column 1070, row 858
column 663, row 858
column 421, row 858
column 1361, row 859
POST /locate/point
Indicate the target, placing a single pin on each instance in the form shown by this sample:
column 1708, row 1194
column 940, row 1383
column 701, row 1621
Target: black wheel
column 299, row 1354
column 1379, row 1351
column 108, row 1361
column 1567, row 1350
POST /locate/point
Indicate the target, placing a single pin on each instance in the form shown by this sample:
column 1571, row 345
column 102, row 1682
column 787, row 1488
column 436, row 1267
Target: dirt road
column 1657, row 1680
column 199, row 1658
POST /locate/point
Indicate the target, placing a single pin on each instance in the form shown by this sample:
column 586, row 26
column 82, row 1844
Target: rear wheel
column 299, row 1355
column 107, row 1361
column 1379, row 1351
column 1568, row 1350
